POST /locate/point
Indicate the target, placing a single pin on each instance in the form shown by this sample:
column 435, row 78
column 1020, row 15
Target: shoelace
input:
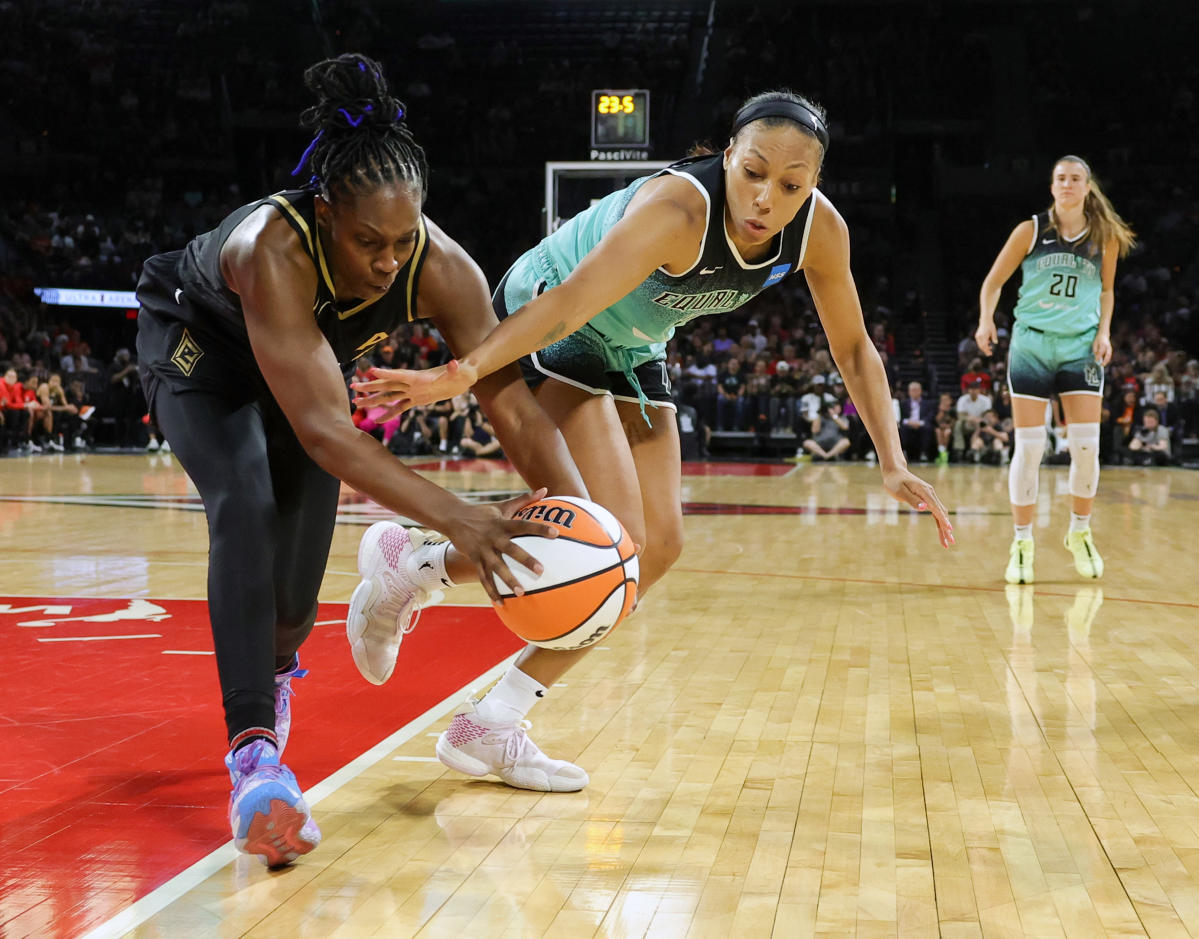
column 284, row 688
column 272, row 771
column 517, row 742
column 399, row 594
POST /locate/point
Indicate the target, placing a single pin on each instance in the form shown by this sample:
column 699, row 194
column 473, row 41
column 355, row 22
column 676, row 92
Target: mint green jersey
column 1061, row 282
column 641, row 323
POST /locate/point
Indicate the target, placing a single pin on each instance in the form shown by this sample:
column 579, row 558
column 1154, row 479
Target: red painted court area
column 111, row 749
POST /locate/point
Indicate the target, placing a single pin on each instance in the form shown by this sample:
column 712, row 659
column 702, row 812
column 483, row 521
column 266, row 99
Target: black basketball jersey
column 352, row 328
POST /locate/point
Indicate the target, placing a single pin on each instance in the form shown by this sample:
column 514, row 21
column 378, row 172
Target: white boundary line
column 179, row 885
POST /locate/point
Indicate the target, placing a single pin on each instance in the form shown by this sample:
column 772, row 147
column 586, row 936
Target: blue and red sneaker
column 267, row 811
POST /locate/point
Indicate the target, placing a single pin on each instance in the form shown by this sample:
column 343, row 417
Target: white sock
column 426, row 566
column 1024, row 532
column 1079, row 522
column 510, row 698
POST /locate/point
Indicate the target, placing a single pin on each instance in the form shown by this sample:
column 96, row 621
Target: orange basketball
column 590, row 579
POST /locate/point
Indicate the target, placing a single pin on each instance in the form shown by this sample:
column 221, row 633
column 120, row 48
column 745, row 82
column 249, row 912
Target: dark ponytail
column 361, row 139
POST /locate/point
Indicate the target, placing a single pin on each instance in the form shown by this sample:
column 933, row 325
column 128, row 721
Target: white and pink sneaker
column 473, row 746
column 386, row 604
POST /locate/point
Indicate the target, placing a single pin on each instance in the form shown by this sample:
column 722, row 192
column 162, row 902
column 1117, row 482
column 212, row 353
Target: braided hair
column 361, row 139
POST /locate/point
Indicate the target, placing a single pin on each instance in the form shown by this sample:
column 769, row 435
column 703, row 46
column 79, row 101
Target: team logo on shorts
column 1091, row 375
column 777, row 273
column 187, row 354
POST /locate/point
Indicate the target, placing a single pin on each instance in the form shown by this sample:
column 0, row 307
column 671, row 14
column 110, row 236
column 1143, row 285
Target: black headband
column 791, row 110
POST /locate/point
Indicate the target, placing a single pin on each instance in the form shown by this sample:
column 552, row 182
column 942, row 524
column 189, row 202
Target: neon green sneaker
column 1020, row 558
column 1087, row 561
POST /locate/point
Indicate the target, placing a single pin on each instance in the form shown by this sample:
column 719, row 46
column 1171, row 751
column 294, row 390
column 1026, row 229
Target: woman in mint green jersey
column 1060, row 345
column 588, row 313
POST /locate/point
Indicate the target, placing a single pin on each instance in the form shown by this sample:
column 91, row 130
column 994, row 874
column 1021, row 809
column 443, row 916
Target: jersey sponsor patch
column 777, row 273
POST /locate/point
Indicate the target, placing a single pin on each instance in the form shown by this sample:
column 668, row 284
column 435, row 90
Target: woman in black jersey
column 244, row 337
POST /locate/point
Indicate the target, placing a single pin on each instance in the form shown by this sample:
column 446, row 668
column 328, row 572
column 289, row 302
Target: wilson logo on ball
column 550, row 514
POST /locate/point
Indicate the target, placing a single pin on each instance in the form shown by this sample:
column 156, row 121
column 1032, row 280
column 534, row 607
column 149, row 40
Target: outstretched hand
column 400, row 389
column 904, row 486
column 484, row 533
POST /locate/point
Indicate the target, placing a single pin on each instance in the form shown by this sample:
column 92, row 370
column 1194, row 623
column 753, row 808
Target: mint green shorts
column 1042, row 364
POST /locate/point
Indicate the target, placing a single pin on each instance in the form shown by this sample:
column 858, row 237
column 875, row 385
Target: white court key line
column 96, row 638
column 141, row 910
column 186, row 652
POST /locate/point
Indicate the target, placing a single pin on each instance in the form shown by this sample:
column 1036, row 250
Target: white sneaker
column 152, row 446
column 386, row 604
column 165, row 448
column 477, row 748
column 80, row 443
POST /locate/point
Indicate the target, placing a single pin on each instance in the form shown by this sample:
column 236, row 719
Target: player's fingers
column 524, row 559
column 488, row 584
column 393, row 412
column 927, row 501
column 500, row 568
column 510, row 507
column 519, row 526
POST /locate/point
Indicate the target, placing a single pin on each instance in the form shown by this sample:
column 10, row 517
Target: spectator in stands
column 61, row 417
column 991, row 441
column 124, row 402
column 829, row 434
column 694, row 434
column 757, row 398
column 1126, row 417
column 922, row 370
column 916, row 424
column 18, row 421
column 782, row 397
column 970, row 408
column 1150, row 442
column 976, row 373
column 1159, row 380
column 477, row 435
column 943, row 425
column 730, row 396
column 813, row 400
column 38, row 415
column 77, row 395
column 1167, row 411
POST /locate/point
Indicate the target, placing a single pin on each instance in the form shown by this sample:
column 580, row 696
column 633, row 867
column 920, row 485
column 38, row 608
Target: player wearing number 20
column 1060, row 345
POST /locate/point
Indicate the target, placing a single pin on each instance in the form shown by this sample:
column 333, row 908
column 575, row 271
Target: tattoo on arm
column 558, row 331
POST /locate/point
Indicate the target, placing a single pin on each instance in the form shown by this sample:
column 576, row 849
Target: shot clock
column 620, row 119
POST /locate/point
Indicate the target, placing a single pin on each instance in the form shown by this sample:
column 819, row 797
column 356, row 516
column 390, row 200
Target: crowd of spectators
column 190, row 147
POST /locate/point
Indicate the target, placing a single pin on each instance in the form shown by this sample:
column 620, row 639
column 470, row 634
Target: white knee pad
column 1083, row 441
column 1026, row 461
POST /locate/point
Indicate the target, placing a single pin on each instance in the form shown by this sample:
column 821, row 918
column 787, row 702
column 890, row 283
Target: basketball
column 589, row 582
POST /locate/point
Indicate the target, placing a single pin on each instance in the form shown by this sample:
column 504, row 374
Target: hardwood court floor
column 820, row 723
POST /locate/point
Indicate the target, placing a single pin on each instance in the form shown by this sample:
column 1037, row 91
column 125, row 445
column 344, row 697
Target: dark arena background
column 814, row 725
